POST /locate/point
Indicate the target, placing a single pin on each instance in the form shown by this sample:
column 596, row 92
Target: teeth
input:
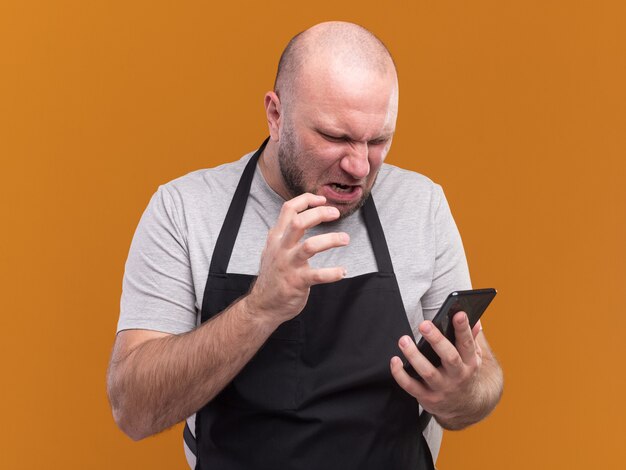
column 341, row 188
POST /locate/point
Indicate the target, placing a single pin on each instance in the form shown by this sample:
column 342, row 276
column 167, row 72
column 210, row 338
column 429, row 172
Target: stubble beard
column 293, row 174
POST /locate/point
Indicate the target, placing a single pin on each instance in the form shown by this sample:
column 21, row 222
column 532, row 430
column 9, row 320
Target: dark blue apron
column 319, row 393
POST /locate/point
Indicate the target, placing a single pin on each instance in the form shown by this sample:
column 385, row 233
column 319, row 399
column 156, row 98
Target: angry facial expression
column 335, row 136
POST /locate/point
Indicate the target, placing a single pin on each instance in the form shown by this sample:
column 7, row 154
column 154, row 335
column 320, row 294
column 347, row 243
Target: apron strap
column 228, row 234
column 423, row 420
column 383, row 259
column 190, row 440
column 377, row 236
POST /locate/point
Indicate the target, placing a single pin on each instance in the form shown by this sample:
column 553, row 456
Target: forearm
column 487, row 392
column 164, row 380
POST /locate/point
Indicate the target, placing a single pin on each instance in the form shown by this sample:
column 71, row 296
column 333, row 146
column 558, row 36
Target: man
column 274, row 315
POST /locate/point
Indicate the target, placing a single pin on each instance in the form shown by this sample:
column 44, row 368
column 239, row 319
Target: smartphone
column 472, row 302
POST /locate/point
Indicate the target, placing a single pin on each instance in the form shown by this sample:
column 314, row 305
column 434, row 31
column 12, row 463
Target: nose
column 356, row 162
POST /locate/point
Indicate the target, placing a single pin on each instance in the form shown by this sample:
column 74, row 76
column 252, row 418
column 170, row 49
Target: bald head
column 332, row 115
column 344, row 47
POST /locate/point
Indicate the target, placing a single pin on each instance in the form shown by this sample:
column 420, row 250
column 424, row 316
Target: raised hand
column 285, row 276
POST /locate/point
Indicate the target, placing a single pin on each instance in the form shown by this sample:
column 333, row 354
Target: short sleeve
column 157, row 290
column 450, row 269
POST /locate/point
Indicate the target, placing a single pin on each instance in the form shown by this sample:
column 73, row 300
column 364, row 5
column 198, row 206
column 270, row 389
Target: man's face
column 334, row 138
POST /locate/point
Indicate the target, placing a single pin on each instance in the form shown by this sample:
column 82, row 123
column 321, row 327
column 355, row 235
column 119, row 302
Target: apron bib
column 319, row 393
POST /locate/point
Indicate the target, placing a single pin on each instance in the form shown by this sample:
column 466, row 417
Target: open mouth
column 342, row 188
column 342, row 193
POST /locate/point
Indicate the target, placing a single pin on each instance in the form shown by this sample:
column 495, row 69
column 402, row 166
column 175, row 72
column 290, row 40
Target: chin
column 346, row 210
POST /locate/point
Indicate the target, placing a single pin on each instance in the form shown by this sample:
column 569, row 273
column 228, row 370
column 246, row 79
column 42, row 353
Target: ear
column 273, row 112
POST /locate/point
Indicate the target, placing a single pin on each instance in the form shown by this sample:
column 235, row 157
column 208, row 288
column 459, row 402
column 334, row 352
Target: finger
column 477, row 328
column 408, row 383
column 450, row 358
column 294, row 206
column 480, row 337
column 305, row 220
column 465, row 344
column 426, row 370
column 314, row 245
column 323, row 275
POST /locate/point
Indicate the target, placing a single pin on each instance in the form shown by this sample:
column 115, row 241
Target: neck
column 270, row 169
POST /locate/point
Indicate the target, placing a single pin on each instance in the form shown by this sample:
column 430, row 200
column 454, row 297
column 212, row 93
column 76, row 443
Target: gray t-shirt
column 169, row 257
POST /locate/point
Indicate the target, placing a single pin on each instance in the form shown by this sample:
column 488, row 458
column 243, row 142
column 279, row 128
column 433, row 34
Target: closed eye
column 332, row 138
column 346, row 138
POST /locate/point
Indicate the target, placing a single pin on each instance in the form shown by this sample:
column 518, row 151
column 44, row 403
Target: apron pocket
column 269, row 380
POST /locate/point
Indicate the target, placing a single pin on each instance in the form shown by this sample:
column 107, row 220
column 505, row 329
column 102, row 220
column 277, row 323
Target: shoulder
column 406, row 187
column 208, row 180
column 202, row 190
column 190, row 202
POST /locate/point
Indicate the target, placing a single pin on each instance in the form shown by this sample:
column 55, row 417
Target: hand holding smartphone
column 472, row 302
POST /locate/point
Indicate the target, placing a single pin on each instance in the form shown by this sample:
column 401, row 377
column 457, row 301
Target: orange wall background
column 518, row 108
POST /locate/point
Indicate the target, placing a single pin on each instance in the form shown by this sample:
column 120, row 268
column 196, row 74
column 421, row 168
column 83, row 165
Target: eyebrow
column 343, row 136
